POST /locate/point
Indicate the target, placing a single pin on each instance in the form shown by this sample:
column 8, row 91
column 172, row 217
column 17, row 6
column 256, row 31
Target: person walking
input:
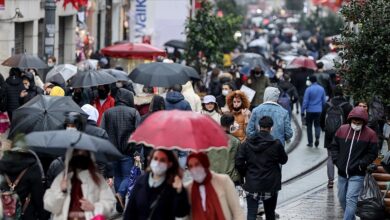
column 239, row 104
column 191, row 97
column 79, row 192
column 13, row 88
column 157, row 104
column 354, row 147
column 227, row 88
column 210, row 108
column 258, row 82
column 175, row 100
column 313, row 102
column 30, row 89
column 282, row 124
column 104, row 101
column 259, row 160
column 212, row 195
column 158, row 194
column 334, row 115
column 91, row 124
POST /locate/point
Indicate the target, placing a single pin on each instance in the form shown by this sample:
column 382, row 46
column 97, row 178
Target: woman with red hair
column 212, row 196
column 239, row 104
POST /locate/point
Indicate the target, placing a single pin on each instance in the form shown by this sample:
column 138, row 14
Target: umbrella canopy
column 118, row 74
column 251, row 60
column 302, row 62
column 24, row 61
column 90, row 78
column 181, row 130
column 42, row 113
column 88, row 64
column 61, row 73
column 284, row 47
column 332, row 57
column 133, row 50
column 192, row 73
column 258, row 43
column 176, row 44
column 305, row 35
column 160, row 74
column 57, row 142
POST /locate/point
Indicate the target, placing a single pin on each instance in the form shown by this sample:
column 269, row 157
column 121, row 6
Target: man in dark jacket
column 14, row 86
column 120, row 122
column 354, row 147
column 31, row 90
column 175, row 100
column 259, row 159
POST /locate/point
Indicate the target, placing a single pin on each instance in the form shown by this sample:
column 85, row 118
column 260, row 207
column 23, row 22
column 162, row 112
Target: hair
column 177, row 88
column 172, row 171
column 53, row 58
column 313, row 78
column 157, row 104
column 338, row 91
column 92, row 170
column 216, row 107
column 237, row 94
column 266, row 122
column 227, row 120
column 230, row 84
column 320, row 65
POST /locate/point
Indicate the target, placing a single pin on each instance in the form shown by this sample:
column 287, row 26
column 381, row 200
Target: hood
column 124, row 97
column 14, row 80
column 359, row 113
column 91, row 111
column 260, row 141
column 157, row 104
column 188, row 88
column 30, row 77
column 14, row 162
column 271, row 94
column 174, row 97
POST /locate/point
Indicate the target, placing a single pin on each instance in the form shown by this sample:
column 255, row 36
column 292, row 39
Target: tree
column 366, row 41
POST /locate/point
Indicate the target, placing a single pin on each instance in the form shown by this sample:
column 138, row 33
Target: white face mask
column 50, row 64
column 308, row 83
column 119, row 84
column 158, row 168
column 225, row 92
column 356, row 127
column 71, row 129
column 198, row 174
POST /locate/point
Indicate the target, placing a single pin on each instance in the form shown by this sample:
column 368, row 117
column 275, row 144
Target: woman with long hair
column 239, row 104
column 159, row 193
column 79, row 192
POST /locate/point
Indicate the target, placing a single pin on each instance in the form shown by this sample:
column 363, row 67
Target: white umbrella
column 258, row 43
column 61, row 73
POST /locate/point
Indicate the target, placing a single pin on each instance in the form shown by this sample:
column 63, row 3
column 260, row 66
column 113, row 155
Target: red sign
column 2, row 4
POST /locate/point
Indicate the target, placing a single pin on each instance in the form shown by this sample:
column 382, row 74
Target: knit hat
column 271, row 94
column 202, row 157
column 57, row 91
column 91, row 111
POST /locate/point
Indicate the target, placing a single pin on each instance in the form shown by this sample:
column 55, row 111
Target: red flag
column 76, row 3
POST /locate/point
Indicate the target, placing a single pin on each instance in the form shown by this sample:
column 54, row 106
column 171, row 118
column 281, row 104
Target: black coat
column 259, row 159
column 31, row 93
column 92, row 129
column 12, row 164
column 170, row 205
column 14, row 86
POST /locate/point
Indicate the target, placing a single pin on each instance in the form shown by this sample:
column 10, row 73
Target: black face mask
column 77, row 97
column 237, row 109
column 80, row 162
column 102, row 94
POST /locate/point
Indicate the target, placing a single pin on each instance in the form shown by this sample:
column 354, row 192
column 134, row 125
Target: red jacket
column 109, row 103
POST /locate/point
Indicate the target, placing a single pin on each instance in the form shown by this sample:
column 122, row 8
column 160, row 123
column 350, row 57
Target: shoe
column 330, row 184
column 316, row 143
column 309, row 145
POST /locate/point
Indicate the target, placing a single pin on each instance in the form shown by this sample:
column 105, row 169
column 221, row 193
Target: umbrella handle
column 78, row 139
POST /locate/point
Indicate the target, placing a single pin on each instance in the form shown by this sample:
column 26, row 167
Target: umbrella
column 118, row 74
column 58, row 141
column 302, row 62
column 160, row 74
column 42, row 113
column 181, row 130
column 258, row 43
column 133, row 50
column 251, row 60
column 24, row 61
column 176, row 44
column 305, row 35
column 331, row 57
column 88, row 64
column 61, row 73
column 90, row 78
column 192, row 73
column 284, row 47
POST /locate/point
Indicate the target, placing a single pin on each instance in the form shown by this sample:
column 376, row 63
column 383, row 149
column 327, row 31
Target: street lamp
column 18, row 14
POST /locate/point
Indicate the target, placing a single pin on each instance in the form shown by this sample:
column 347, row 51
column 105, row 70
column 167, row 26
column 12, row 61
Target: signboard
column 141, row 15
column 2, row 5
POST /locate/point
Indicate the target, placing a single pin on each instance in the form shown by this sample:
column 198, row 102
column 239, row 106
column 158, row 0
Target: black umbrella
column 118, row 74
column 176, row 44
column 251, row 60
column 90, row 78
column 160, row 74
column 57, row 142
column 42, row 113
column 284, row 47
column 192, row 73
column 24, row 61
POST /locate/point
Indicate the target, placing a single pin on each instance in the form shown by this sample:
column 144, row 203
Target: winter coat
column 242, row 121
column 175, row 100
column 221, row 101
column 32, row 90
column 298, row 79
column 287, row 87
column 108, row 103
column 121, row 121
column 14, row 86
column 214, row 115
column 101, row 196
column 142, row 103
column 346, row 107
column 223, row 160
column 191, row 97
column 215, row 87
column 12, row 164
column 227, row 195
column 170, row 205
column 92, row 129
column 259, row 84
column 352, row 151
column 314, row 98
column 55, row 168
column 324, row 81
column 258, row 160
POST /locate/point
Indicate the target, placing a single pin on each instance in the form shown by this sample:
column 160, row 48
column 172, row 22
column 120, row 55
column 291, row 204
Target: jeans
column 310, row 118
column 269, row 207
column 348, row 192
column 330, row 167
column 122, row 170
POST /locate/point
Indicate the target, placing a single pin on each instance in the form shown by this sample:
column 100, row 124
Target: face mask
column 308, row 83
column 225, row 92
column 356, row 127
column 102, row 94
column 71, row 129
column 158, row 168
column 198, row 174
column 258, row 74
column 50, row 64
column 119, row 84
column 80, row 162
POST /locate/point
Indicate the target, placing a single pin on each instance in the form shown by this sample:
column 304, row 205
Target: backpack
column 334, row 117
column 285, row 101
column 12, row 206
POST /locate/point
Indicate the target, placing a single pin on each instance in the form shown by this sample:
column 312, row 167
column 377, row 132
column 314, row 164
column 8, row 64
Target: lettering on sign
column 140, row 18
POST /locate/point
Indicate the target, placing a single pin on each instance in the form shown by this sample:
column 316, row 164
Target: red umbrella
column 133, row 50
column 302, row 62
column 181, row 130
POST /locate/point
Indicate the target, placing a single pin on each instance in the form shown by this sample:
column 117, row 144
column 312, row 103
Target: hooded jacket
column 121, row 121
column 32, row 90
column 258, row 160
column 175, row 100
column 259, row 84
column 191, row 97
column 14, row 85
column 157, row 104
column 352, row 151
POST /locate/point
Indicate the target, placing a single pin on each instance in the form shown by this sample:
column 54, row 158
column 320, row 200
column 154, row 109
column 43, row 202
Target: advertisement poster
column 2, row 4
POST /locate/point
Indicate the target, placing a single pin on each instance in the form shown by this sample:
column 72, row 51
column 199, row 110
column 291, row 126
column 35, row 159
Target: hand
column 137, row 158
column 246, row 112
column 249, row 81
column 86, row 205
column 110, row 182
column 177, row 184
column 23, row 93
column 64, row 185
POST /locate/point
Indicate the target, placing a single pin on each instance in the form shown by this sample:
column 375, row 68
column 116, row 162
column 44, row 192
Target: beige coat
column 227, row 195
column 214, row 115
column 57, row 202
column 191, row 97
